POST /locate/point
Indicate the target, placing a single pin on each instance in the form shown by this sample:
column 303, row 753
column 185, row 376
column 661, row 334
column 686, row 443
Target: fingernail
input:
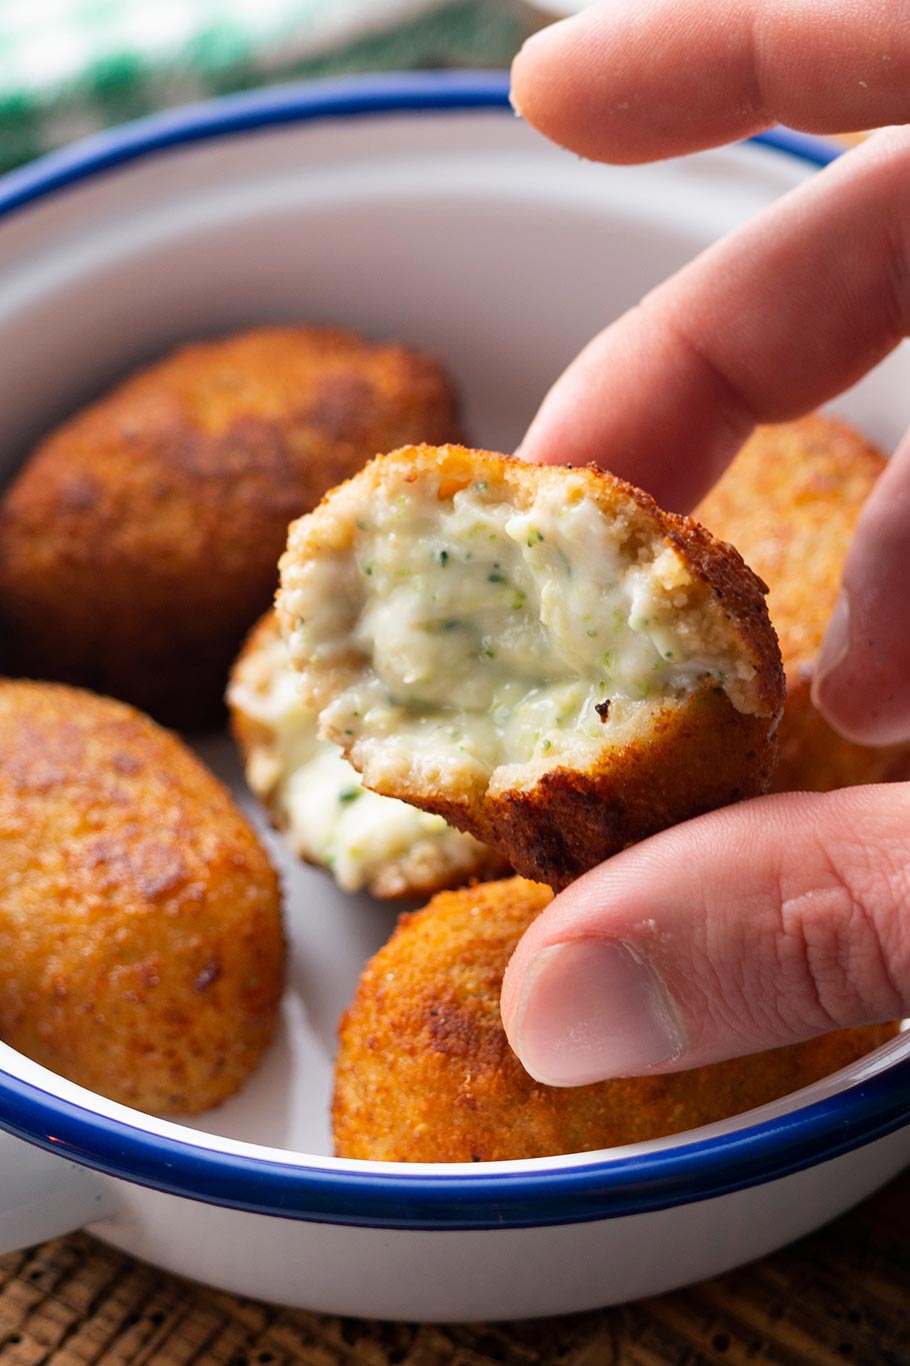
column 592, row 1009
column 834, row 647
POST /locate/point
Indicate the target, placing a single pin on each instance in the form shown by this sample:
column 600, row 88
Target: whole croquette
column 425, row 1072
column 140, row 540
column 316, row 800
column 789, row 503
column 141, row 945
column 537, row 654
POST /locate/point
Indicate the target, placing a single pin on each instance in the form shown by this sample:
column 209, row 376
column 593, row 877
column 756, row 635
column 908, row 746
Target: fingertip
column 832, row 672
column 522, row 74
column 555, row 82
column 861, row 709
column 508, row 1003
column 860, row 679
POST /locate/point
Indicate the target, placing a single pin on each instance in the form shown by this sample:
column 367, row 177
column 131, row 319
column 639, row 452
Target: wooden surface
column 839, row 1296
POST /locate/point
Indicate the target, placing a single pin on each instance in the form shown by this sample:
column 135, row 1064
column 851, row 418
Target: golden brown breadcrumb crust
column 403, row 878
column 140, row 540
column 789, row 503
column 689, row 757
column 425, row 1072
column 141, row 944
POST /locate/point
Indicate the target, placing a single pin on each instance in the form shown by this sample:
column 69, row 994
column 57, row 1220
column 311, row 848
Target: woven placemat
column 841, row 1295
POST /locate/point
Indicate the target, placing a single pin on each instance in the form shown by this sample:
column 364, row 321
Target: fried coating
column 141, row 944
column 789, row 503
column 537, row 654
column 425, row 1072
column 140, row 541
column 315, row 798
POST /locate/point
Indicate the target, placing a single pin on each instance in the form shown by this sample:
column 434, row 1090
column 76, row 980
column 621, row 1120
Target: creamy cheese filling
column 327, row 815
column 493, row 638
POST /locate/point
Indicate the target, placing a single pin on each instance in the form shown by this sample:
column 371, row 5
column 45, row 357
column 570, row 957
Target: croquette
column 140, row 541
column 789, row 503
column 141, row 943
column 537, row 654
column 425, row 1072
column 315, row 798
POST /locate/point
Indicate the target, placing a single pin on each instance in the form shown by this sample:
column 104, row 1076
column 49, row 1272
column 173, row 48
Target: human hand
column 779, row 918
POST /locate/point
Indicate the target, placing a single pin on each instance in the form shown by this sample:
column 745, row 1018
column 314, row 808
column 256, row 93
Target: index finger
column 771, row 321
column 642, row 79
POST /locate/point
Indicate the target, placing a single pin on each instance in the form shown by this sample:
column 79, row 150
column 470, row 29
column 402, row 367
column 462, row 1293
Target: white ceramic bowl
column 415, row 208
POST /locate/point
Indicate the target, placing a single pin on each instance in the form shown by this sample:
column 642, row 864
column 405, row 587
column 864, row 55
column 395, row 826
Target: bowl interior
column 460, row 232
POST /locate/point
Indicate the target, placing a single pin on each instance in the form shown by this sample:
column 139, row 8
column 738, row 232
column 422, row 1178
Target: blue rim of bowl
column 348, row 97
column 402, row 1197
column 397, row 1196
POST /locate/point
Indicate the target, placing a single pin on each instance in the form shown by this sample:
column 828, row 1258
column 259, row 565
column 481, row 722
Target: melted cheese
column 490, row 638
column 326, row 813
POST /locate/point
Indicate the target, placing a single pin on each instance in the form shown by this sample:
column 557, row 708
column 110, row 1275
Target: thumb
column 749, row 928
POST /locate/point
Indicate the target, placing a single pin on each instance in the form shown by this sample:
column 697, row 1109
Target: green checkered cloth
column 70, row 67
